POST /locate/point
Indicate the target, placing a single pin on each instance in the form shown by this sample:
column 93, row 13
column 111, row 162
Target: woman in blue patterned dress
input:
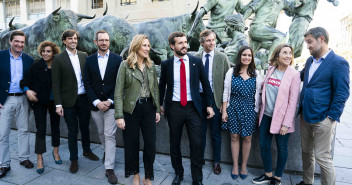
column 240, row 107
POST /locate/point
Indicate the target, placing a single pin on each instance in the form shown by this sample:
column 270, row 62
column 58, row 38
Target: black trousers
column 75, row 116
column 177, row 117
column 142, row 118
column 40, row 112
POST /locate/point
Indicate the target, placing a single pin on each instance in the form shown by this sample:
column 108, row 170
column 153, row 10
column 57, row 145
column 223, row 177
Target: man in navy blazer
column 325, row 91
column 13, row 103
column 180, row 77
column 99, row 78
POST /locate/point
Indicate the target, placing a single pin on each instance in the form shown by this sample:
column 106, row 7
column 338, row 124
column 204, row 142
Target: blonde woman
column 137, row 107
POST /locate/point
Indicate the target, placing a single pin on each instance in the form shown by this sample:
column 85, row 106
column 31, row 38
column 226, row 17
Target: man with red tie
column 180, row 78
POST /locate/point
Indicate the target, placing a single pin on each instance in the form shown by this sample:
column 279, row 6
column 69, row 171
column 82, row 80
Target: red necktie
column 183, row 98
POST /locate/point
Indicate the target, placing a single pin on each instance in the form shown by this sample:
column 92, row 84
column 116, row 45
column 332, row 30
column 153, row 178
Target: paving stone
column 346, row 142
column 344, row 136
column 295, row 179
column 343, row 175
column 342, row 151
column 5, row 183
column 343, row 161
column 21, row 175
column 65, row 178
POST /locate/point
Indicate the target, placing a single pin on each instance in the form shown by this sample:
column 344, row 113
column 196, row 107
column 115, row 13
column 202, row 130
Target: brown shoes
column 110, row 174
column 27, row 164
column 74, row 166
column 91, row 156
column 217, row 168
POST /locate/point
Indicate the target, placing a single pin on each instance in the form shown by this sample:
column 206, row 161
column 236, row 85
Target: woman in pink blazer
column 280, row 94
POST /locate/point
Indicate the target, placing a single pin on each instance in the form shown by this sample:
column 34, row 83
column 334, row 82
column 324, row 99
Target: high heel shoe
column 41, row 170
column 57, row 161
column 234, row 176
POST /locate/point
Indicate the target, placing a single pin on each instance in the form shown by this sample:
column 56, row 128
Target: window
column 36, row 6
column 12, row 8
column 128, row 2
column 64, row 4
column 97, row 4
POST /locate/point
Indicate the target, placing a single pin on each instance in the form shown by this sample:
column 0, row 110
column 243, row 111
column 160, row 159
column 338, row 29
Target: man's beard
column 179, row 53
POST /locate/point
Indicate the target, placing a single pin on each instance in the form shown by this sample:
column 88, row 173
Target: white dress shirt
column 315, row 64
column 77, row 68
column 210, row 76
column 102, row 63
column 177, row 85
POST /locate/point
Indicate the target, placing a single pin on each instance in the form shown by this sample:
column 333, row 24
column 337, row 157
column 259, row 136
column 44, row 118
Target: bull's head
column 59, row 21
column 57, row 15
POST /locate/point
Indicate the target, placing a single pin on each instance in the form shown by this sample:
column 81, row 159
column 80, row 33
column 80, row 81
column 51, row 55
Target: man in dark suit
column 13, row 103
column 99, row 82
column 70, row 97
column 216, row 64
column 324, row 93
column 181, row 75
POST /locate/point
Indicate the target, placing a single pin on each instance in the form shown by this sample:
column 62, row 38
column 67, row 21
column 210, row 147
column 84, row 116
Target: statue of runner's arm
column 252, row 7
column 205, row 9
column 291, row 8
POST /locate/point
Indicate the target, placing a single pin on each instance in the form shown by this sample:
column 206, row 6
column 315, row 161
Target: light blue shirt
column 177, row 85
column 16, row 73
column 315, row 65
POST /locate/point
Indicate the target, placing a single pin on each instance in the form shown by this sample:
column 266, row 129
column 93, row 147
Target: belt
column 15, row 94
column 81, row 95
column 143, row 100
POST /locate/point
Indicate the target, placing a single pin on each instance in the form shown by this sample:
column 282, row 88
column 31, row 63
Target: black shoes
column 217, row 168
column 262, row 179
column 27, row 164
column 74, row 166
column 302, row 183
column 4, row 170
column 177, row 180
column 110, row 174
column 275, row 181
column 91, row 156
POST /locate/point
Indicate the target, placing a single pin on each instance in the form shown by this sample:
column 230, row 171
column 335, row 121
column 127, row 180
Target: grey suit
column 219, row 68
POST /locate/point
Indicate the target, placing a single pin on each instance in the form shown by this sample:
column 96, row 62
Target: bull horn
column 124, row 51
column 155, row 51
column 195, row 10
column 10, row 24
column 106, row 9
column 81, row 16
column 55, row 11
column 127, row 16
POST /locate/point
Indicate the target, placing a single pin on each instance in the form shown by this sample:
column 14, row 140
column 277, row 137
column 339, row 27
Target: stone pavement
column 93, row 173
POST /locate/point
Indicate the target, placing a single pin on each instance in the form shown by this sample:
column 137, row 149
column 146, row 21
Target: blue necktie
column 206, row 65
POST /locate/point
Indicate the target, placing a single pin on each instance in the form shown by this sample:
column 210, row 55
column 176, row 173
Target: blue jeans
column 215, row 127
column 265, row 147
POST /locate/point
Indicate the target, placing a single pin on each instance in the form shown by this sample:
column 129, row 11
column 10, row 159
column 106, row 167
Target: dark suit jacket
column 97, row 88
column 5, row 72
column 38, row 79
column 327, row 91
column 64, row 78
column 197, row 74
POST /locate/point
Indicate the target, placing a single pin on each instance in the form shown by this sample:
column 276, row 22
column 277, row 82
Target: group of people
column 196, row 91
